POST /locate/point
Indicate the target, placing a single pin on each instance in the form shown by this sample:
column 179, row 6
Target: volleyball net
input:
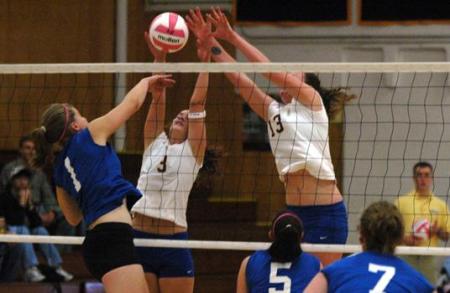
column 399, row 117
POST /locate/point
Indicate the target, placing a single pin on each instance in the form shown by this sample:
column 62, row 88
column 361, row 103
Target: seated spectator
column 42, row 195
column 376, row 269
column 10, row 256
column 22, row 218
column 284, row 267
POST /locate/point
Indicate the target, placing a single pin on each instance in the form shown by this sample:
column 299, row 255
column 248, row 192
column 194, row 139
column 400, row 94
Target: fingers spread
column 198, row 13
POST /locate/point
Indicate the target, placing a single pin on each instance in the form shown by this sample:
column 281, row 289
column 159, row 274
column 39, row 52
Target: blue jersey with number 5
column 92, row 175
column 375, row 273
column 263, row 275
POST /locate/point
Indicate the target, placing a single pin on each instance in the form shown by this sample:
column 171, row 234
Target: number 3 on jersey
column 279, row 126
column 388, row 274
column 163, row 165
column 277, row 279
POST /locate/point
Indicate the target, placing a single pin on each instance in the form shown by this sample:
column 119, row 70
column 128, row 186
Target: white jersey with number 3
column 167, row 174
column 299, row 140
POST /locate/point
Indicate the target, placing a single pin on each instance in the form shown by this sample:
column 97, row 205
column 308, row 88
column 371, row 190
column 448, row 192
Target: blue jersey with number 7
column 263, row 275
column 91, row 174
column 375, row 273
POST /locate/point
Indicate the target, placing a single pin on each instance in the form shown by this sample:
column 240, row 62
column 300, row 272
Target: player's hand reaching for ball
column 158, row 82
column 197, row 24
column 223, row 29
column 160, row 56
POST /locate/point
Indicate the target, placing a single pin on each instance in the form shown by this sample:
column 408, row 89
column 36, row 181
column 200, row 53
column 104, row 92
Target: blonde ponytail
column 54, row 129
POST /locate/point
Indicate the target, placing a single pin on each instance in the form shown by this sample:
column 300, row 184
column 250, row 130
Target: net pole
column 121, row 56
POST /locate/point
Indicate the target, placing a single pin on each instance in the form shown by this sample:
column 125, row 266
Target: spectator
column 426, row 219
column 10, row 256
column 19, row 211
column 43, row 197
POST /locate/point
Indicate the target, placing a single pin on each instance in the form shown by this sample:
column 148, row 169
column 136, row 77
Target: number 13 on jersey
column 278, row 125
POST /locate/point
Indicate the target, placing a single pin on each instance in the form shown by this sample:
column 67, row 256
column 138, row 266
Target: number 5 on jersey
column 279, row 126
column 277, row 279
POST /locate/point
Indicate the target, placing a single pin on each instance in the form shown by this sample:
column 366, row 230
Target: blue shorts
column 323, row 224
column 165, row 262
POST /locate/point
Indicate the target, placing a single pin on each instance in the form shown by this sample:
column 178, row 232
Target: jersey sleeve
column 424, row 286
column 328, row 273
column 274, row 108
column 156, row 144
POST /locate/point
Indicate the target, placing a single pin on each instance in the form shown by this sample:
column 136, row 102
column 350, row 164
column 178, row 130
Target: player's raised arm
column 197, row 114
column 154, row 122
column 293, row 84
column 254, row 96
column 102, row 127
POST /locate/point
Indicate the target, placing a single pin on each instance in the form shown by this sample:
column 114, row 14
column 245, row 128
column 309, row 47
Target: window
column 292, row 11
column 379, row 11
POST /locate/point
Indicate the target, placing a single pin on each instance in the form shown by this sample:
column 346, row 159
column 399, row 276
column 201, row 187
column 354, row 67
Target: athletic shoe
column 66, row 275
column 33, row 275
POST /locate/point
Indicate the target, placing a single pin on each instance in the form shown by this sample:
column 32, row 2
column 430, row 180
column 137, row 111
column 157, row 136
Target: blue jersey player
column 376, row 269
column 89, row 184
column 283, row 267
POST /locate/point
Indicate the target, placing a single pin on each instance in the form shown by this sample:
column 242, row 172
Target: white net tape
column 418, row 67
column 222, row 245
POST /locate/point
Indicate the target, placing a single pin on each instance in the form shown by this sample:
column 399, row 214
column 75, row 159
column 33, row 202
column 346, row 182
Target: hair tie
column 43, row 129
column 284, row 215
column 66, row 122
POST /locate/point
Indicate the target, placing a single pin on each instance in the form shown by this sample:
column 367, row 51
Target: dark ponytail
column 333, row 99
column 53, row 132
column 287, row 231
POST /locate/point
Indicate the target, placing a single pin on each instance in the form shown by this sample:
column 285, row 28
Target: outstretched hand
column 197, row 24
column 158, row 82
column 223, row 29
column 157, row 54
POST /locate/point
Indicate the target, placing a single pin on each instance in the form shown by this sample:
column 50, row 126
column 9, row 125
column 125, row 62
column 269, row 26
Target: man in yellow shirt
column 426, row 217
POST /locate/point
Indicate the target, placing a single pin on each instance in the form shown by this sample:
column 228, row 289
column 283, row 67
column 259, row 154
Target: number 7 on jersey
column 388, row 274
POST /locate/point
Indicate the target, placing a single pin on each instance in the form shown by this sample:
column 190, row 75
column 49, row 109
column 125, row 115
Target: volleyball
column 169, row 32
column 422, row 229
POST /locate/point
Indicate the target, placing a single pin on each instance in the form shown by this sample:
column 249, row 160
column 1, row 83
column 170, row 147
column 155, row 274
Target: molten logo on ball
column 169, row 32
column 168, row 39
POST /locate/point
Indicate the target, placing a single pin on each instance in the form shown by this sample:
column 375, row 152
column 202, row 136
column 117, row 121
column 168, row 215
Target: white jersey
column 299, row 140
column 167, row 174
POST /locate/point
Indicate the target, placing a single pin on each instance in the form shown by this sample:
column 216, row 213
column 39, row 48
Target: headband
column 284, row 215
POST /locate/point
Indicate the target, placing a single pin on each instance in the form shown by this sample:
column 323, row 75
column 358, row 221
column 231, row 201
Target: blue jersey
column 92, row 175
column 262, row 274
column 374, row 272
